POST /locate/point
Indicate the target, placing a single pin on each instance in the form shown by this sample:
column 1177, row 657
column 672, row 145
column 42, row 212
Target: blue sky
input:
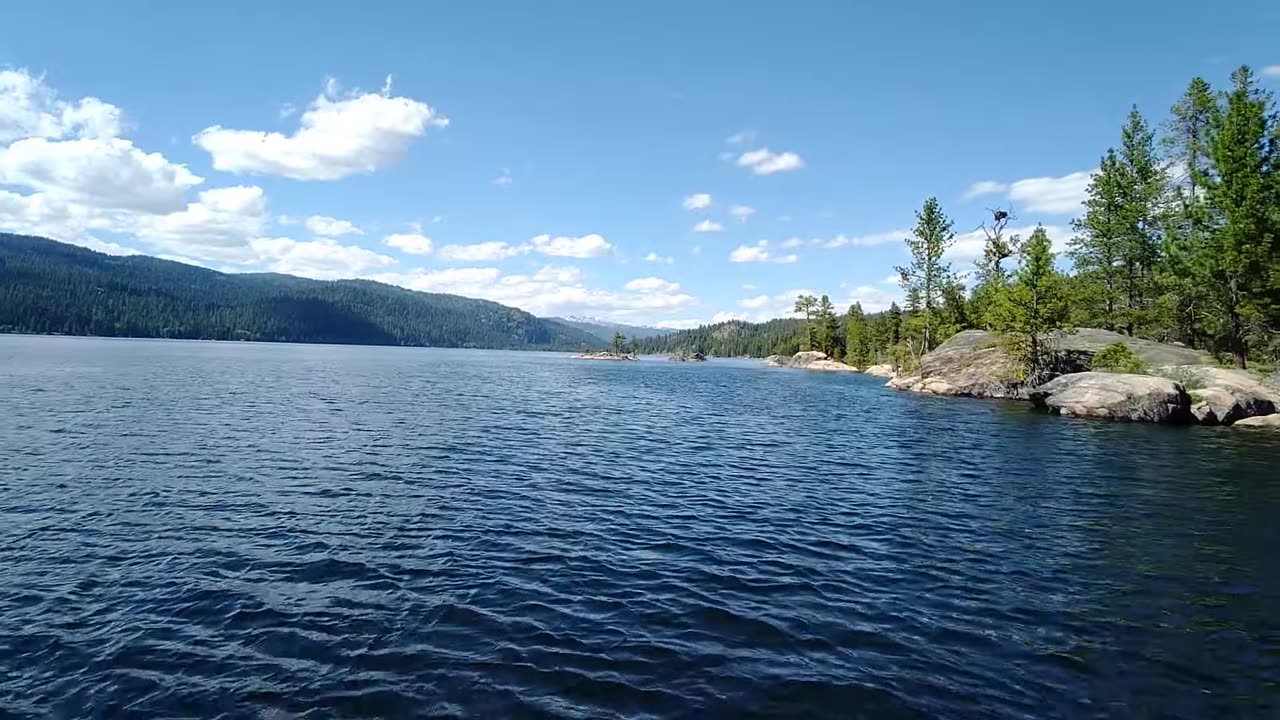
column 537, row 153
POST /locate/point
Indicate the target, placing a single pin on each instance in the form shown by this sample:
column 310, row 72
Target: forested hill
column 731, row 339
column 52, row 287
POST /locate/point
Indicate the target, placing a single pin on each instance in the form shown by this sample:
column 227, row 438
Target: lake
column 256, row 530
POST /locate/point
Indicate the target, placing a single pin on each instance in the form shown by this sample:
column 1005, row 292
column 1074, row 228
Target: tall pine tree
column 1032, row 308
column 928, row 276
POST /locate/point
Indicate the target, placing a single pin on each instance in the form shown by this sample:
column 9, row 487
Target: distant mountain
column 52, row 287
column 604, row 329
column 731, row 339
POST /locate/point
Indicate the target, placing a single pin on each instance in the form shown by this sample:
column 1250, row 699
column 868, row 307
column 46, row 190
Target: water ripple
column 274, row 531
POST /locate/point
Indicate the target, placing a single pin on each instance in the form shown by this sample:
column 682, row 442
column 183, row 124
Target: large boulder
column 1264, row 421
column 1222, row 396
column 809, row 360
column 973, row 362
column 1115, row 396
column 885, row 371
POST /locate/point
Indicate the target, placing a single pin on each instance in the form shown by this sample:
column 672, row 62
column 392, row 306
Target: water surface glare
column 192, row 529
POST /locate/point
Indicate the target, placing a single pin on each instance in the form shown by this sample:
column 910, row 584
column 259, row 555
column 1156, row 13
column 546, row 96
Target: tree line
column 51, row 287
column 1178, row 241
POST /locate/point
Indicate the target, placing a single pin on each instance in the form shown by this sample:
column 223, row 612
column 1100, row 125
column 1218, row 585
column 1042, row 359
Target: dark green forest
column 1178, row 240
column 52, row 287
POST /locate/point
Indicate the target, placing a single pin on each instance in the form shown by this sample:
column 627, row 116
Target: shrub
column 1119, row 357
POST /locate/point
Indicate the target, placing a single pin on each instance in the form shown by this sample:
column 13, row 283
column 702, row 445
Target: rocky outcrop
column 1222, row 396
column 809, row 360
column 688, row 357
column 973, row 362
column 1115, row 396
column 604, row 356
column 1264, row 421
column 885, row 371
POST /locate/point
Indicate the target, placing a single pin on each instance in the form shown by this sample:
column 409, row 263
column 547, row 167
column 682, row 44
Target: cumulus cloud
column 792, row 242
column 754, row 303
column 338, row 135
column 331, row 227
column 707, row 226
column 109, row 174
column 741, row 137
column 654, row 257
column 742, row 212
column 1050, row 195
column 482, row 252
column 322, row 259
column 413, row 243
column 861, row 240
column 31, row 109
column 652, row 285
column 697, row 201
column 759, row 253
column 549, row 291
column 587, row 246
column 1271, row 71
column 764, row 161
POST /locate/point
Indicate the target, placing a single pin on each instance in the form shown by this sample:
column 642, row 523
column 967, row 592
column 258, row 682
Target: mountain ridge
column 48, row 287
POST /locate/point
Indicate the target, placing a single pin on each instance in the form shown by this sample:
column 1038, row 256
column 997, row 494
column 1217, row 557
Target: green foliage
column 859, row 339
column 807, row 304
column 826, row 329
column 618, row 340
column 1120, row 358
column 927, row 278
column 51, row 287
column 734, row 338
column 1031, row 309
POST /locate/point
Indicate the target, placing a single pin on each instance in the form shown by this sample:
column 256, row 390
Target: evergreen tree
column 1097, row 248
column 1240, row 256
column 858, row 337
column 1186, row 144
column 1143, row 192
column 928, row 276
column 992, row 276
column 617, row 343
column 827, row 332
column 1032, row 308
column 807, row 304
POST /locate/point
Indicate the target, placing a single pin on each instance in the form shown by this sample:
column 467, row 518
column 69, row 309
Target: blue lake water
column 192, row 529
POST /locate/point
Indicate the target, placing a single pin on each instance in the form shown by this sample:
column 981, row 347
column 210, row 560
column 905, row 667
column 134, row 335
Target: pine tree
column 1142, row 192
column 807, row 304
column 1097, row 248
column 928, row 276
column 617, row 343
column 1032, row 308
column 858, row 337
column 827, row 332
column 1240, row 254
column 1186, row 145
column 992, row 276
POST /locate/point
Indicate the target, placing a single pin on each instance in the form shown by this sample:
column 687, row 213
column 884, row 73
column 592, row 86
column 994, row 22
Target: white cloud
column 31, row 109
column 654, row 257
column 766, row 162
column 759, row 253
column 331, row 227
column 1050, row 195
column 1053, row 195
column 504, row 178
column 412, row 243
column 754, row 303
column 550, row 291
column 652, row 285
column 873, row 299
column 338, row 136
column 742, row 212
column 792, row 242
column 741, row 137
column 893, row 279
column 697, row 201
column 862, row 240
column 218, row 227
column 707, row 226
column 587, row 246
column 482, row 252
column 322, row 259
column 985, row 187
column 1271, row 71
column 678, row 324
column 108, row 174
column 748, row 286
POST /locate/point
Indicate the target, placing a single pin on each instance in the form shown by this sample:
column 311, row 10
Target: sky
column 655, row 163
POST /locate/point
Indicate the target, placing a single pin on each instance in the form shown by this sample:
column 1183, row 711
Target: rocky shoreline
column 809, row 360
column 604, row 356
column 1183, row 386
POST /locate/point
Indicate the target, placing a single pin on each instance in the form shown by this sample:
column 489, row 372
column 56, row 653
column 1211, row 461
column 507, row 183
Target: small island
column 687, row 357
column 621, row 350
